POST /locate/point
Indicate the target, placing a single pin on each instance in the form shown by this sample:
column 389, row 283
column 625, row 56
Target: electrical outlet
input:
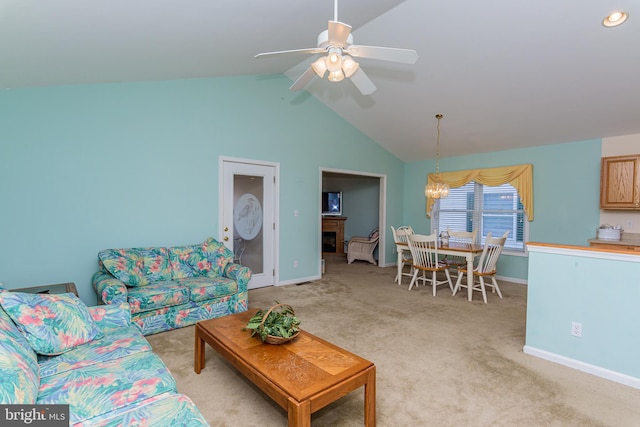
column 629, row 223
column 295, row 264
column 576, row 329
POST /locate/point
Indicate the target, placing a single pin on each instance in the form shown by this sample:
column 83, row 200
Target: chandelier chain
column 438, row 116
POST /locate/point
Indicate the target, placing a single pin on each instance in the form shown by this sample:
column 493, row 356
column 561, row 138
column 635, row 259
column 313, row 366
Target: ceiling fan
column 336, row 45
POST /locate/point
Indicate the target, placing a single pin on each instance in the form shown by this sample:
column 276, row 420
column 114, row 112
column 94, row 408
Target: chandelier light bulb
column 439, row 190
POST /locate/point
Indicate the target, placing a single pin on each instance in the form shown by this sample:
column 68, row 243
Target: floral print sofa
column 173, row 287
column 55, row 350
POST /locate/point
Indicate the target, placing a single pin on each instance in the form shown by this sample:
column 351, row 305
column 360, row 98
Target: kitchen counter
column 597, row 288
column 627, row 240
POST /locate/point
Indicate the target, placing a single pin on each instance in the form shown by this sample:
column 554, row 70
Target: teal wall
column 566, row 183
column 90, row 167
column 602, row 294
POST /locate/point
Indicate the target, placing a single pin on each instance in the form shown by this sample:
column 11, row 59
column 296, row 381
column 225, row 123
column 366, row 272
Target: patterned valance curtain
column 520, row 177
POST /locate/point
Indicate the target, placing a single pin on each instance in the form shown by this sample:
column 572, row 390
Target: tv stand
column 333, row 235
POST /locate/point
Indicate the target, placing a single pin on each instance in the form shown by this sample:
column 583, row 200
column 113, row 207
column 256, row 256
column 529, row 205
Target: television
column 332, row 203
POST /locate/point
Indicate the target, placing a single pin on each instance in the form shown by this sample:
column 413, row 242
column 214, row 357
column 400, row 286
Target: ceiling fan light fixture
column 336, row 76
column 615, row 18
column 320, row 66
column 349, row 66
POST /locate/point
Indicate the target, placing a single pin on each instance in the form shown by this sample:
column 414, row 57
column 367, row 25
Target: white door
column 248, row 212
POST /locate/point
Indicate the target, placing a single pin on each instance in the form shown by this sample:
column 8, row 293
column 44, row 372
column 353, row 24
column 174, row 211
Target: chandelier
column 438, row 189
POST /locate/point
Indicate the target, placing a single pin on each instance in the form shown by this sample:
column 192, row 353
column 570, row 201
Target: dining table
column 467, row 250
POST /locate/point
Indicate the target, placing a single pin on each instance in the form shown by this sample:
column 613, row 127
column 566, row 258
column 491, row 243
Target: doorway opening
column 363, row 201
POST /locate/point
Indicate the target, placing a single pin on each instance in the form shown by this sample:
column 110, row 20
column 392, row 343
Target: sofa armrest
column 239, row 273
column 109, row 289
column 111, row 316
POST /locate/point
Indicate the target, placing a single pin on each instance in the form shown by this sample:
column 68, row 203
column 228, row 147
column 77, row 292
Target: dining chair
column 486, row 267
column 469, row 237
column 400, row 237
column 424, row 250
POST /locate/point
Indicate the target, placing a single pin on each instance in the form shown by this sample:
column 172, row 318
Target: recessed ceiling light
column 615, row 19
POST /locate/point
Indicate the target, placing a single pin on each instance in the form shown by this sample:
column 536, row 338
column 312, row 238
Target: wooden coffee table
column 302, row 376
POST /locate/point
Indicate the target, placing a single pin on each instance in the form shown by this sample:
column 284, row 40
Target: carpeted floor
column 440, row 361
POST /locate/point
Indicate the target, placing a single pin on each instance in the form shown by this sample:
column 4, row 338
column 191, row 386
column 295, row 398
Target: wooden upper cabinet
column 620, row 182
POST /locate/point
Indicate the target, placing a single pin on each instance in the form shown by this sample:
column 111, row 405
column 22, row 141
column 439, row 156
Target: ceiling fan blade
column 309, row 51
column 303, row 80
column 405, row 56
column 363, row 82
column 338, row 33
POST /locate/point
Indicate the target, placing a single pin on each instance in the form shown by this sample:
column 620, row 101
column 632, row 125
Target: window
column 490, row 209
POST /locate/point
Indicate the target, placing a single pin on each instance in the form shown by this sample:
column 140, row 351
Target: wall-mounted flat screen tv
column 332, row 203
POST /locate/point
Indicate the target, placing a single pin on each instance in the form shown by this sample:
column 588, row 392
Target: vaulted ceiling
column 504, row 74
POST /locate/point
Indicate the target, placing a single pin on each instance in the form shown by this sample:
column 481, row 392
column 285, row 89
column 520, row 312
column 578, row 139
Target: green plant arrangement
column 277, row 325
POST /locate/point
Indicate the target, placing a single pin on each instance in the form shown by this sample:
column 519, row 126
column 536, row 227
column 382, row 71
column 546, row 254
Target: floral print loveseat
column 173, row 287
column 56, row 350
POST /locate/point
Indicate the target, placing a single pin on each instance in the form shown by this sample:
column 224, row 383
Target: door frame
column 276, row 204
column 382, row 211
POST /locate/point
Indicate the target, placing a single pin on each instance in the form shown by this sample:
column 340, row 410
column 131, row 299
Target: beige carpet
column 440, row 361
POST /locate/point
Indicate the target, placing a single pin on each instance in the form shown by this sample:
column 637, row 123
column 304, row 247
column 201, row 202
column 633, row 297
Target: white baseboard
column 512, row 280
column 298, row 280
column 584, row 367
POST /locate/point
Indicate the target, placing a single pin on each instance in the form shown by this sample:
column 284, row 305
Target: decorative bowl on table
column 277, row 325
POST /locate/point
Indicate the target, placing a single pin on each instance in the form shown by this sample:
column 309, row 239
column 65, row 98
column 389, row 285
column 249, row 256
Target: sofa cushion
column 168, row 410
column 157, row 295
column 218, row 255
column 204, row 288
column 206, row 259
column 115, row 344
column 111, row 316
column 51, row 323
column 105, row 387
column 126, row 265
column 184, row 261
column 19, row 370
column 156, row 263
